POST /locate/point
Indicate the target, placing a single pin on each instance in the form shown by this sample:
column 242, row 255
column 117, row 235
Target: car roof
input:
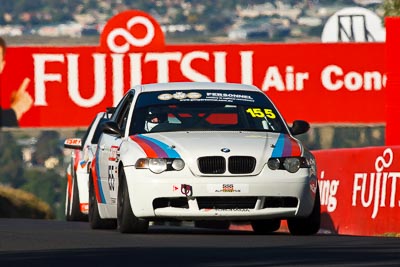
column 151, row 87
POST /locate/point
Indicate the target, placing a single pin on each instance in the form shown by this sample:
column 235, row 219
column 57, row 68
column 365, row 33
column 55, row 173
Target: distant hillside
column 16, row 203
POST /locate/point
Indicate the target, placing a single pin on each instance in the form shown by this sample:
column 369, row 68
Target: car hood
column 192, row 145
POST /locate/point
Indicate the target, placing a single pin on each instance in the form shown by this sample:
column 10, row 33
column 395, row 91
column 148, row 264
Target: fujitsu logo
column 128, row 37
column 371, row 188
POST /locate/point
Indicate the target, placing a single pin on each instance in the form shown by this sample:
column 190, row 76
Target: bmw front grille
column 217, row 164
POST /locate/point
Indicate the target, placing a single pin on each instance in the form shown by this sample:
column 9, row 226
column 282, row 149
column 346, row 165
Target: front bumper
column 182, row 196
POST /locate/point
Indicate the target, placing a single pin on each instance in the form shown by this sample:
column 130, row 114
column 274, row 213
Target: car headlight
column 274, row 163
column 178, row 164
column 291, row 164
column 159, row 165
column 142, row 163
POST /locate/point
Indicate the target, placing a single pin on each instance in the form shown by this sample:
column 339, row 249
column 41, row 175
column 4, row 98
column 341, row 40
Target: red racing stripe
column 95, row 181
column 295, row 148
column 69, row 184
column 150, row 152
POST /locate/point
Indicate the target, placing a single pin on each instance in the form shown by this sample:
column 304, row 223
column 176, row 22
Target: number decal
column 111, row 177
column 269, row 113
column 261, row 113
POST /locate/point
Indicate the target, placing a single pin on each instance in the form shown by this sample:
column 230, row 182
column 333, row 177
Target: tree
column 391, row 8
column 48, row 145
column 11, row 171
column 48, row 186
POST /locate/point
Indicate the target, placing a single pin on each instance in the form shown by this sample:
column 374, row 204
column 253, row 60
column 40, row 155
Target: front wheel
column 266, row 226
column 309, row 225
column 127, row 221
column 95, row 221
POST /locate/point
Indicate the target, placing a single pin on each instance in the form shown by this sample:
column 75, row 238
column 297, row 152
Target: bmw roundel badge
column 225, row 150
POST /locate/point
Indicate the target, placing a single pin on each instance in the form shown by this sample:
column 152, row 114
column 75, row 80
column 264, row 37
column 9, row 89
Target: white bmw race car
column 76, row 197
column 211, row 153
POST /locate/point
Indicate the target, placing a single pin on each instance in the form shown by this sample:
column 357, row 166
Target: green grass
column 16, row 203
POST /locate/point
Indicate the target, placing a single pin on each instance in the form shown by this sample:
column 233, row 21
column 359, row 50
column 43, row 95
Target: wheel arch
column 91, row 186
column 120, row 167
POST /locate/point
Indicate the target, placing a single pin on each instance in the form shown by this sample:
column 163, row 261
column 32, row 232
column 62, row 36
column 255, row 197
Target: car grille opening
column 178, row 202
column 217, row 164
column 280, row 202
column 226, row 202
column 241, row 164
column 212, row 165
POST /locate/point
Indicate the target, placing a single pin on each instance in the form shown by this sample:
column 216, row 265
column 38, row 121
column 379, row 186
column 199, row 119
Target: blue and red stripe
column 97, row 182
column 154, row 148
column 286, row 147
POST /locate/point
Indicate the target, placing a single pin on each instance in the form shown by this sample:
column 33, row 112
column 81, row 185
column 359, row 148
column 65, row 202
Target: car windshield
column 205, row 110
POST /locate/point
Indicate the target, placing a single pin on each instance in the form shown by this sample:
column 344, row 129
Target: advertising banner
column 360, row 190
column 67, row 86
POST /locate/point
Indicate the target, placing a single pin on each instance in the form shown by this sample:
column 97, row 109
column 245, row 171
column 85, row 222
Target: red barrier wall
column 360, row 190
column 393, row 83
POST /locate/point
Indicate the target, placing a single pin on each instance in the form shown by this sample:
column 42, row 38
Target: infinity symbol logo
column 128, row 37
column 384, row 161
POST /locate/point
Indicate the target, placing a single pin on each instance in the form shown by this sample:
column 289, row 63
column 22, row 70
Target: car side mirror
column 110, row 111
column 299, row 127
column 111, row 127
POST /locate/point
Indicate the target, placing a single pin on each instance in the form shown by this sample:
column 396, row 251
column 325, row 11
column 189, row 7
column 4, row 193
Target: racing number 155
column 261, row 113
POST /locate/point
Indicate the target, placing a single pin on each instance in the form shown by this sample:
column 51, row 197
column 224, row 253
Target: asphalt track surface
column 27, row 242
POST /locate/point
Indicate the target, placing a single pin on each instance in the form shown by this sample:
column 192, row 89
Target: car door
column 108, row 152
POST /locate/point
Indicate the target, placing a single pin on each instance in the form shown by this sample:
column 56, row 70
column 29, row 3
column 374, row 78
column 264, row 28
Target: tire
column 309, row 225
column 221, row 225
column 266, row 226
column 95, row 221
column 74, row 207
column 127, row 221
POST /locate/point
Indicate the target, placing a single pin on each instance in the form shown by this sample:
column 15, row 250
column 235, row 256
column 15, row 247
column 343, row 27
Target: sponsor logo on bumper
column 228, row 188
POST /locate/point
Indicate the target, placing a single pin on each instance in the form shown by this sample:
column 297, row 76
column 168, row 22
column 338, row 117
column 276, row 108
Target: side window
column 138, row 121
column 121, row 114
column 98, row 131
column 124, row 116
column 87, row 131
